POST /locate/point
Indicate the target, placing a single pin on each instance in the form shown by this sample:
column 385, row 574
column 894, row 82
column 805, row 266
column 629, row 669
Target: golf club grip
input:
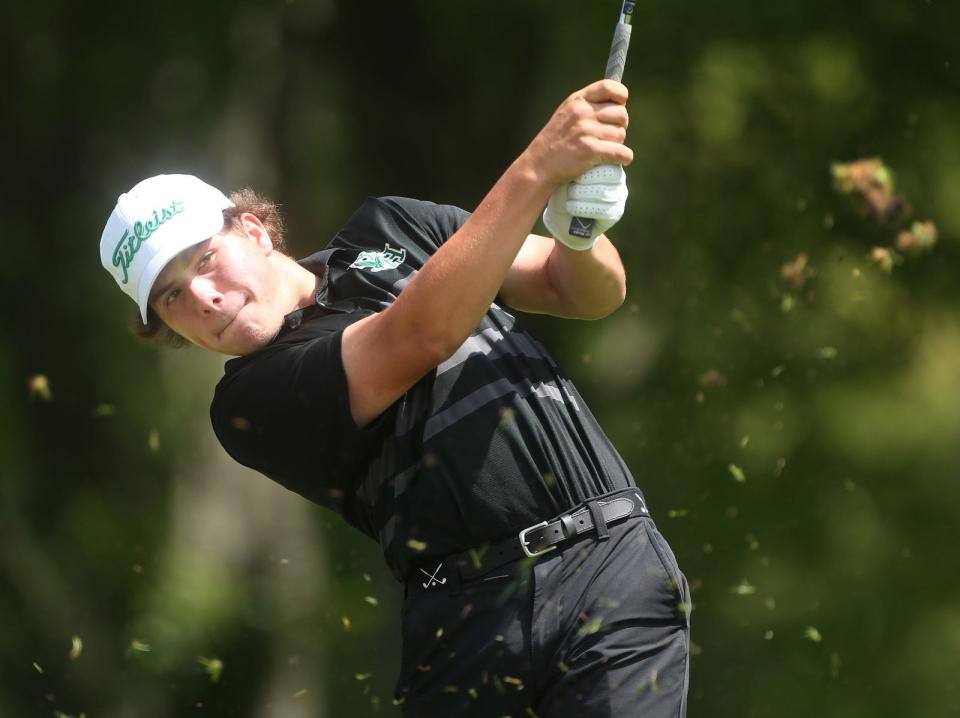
column 616, row 61
column 618, row 52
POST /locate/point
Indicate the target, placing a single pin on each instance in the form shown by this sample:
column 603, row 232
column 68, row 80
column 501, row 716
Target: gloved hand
column 599, row 194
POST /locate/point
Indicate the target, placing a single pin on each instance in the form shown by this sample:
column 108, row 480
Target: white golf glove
column 599, row 194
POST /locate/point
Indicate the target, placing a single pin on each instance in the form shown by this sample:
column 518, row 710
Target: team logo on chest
column 389, row 258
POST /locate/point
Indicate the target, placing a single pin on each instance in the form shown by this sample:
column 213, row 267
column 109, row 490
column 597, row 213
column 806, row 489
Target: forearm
column 451, row 293
column 590, row 284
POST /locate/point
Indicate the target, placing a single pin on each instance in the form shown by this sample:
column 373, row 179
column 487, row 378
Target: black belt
column 591, row 517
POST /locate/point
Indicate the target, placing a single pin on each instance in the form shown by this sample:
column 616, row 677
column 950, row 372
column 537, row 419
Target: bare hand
column 587, row 129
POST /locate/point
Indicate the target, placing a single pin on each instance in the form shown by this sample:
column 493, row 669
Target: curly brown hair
column 244, row 200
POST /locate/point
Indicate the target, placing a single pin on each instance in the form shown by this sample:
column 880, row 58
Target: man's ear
column 254, row 229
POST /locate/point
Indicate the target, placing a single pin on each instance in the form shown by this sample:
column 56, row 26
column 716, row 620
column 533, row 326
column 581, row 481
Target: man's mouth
column 226, row 326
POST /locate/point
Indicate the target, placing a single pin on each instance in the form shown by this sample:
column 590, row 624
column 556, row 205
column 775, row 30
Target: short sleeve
column 287, row 415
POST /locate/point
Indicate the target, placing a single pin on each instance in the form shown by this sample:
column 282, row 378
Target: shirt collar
column 318, row 263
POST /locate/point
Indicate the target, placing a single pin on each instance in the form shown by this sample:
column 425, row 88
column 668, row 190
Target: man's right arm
column 387, row 353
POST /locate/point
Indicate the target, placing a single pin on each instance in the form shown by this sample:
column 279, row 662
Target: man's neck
column 303, row 282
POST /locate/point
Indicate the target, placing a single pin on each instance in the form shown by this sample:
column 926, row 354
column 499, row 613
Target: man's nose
column 205, row 294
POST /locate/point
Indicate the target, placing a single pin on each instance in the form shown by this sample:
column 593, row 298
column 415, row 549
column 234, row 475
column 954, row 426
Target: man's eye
column 168, row 300
column 205, row 259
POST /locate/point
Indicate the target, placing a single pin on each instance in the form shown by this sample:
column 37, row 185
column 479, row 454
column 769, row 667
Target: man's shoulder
column 395, row 204
column 374, row 207
column 252, row 369
column 283, row 353
column 399, row 217
column 273, row 383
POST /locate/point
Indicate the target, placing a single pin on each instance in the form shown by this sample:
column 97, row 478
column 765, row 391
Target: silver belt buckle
column 524, row 543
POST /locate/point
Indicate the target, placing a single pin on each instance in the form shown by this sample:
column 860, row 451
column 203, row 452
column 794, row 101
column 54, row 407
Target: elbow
column 602, row 313
column 436, row 347
column 620, row 295
column 433, row 336
column 616, row 297
column 614, row 307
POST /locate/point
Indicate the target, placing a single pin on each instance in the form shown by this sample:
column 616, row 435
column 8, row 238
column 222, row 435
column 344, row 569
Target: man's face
column 222, row 294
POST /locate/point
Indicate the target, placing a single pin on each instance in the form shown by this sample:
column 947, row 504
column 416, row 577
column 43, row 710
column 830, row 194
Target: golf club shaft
column 583, row 226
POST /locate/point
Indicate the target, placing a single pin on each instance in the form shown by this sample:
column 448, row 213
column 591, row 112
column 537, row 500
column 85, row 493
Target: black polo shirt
column 494, row 439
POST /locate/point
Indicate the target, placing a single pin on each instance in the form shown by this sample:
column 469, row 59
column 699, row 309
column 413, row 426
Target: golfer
column 387, row 378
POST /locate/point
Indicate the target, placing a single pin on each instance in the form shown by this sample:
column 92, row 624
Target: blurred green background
column 798, row 439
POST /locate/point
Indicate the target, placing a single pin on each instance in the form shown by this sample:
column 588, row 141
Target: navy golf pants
column 593, row 629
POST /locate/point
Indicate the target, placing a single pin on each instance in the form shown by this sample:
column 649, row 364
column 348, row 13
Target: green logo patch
column 130, row 244
column 389, row 258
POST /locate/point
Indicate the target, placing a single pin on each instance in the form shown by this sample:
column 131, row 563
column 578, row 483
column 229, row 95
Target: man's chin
column 240, row 341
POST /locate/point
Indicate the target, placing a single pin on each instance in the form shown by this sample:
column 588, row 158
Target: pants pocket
column 678, row 581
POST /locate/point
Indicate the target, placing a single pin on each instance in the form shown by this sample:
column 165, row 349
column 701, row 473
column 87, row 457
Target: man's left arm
column 549, row 278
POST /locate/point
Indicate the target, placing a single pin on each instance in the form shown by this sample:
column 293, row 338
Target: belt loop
column 599, row 522
column 642, row 504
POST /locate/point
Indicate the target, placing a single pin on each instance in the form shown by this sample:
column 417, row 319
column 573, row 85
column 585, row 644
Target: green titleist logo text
column 130, row 244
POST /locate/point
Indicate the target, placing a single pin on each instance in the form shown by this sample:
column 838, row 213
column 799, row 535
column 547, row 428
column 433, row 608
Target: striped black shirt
column 495, row 439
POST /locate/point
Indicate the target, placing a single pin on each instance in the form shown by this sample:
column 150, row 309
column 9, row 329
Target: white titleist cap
column 152, row 223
